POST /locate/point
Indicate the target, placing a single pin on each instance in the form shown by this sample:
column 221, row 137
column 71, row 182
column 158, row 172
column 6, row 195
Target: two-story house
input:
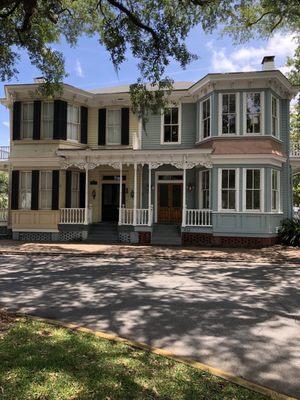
column 212, row 169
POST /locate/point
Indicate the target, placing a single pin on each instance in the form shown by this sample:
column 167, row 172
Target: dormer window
column 73, row 122
column 205, row 119
column 170, row 126
column 27, row 120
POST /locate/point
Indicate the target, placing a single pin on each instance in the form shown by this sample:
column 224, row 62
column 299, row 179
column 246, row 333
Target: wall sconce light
column 190, row 187
column 94, row 194
column 132, row 194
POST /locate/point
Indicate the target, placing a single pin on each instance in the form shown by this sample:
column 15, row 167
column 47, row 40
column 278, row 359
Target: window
column 253, row 113
column 27, row 121
column 253, row 188
column 275, row 190
column 45, row 192
column 73, row 122
column 171, row 125
column 205, row 119
column 47, row 120
column 25, row 190
column 75, row 190
column 204, row 189
column 275, row 116
column 114, row 127
column 229, row 118
column 228, row 198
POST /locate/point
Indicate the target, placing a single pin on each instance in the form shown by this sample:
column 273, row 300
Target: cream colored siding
column 29, row 219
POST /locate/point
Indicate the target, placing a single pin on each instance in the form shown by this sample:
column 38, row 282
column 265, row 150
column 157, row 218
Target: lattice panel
column 35, row 236
column 124, row 237
column 69, row 236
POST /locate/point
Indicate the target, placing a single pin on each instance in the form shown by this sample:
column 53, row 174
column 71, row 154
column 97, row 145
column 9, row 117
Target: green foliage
column 296, row 189
column 289, row 232
column 3, row 190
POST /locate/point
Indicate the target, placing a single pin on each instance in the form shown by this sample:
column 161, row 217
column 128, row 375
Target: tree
column 3, row 190
column 153, row 30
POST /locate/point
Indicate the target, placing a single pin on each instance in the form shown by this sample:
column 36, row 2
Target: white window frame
column 162, row 125
column 237, row 114
column 75, row 192
column 201, row 118
column 278, row 190
column 26, row 190
column 27, row 103
column 47, row 189
column 237, row 190
column 47, row 120
column 277, row 133
column 262, row 113
column 201, row 190
column 77, row 124
column 107, row 125
column 262, row 190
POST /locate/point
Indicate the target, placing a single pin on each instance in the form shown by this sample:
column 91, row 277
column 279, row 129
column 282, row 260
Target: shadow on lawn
column 241, row 318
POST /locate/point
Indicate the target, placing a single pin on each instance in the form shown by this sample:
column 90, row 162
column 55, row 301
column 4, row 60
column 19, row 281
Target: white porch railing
column 142, row 216
column 295, row 150
column 195, row 217
column 72, row 215
column 4, row 152
column 3, row 214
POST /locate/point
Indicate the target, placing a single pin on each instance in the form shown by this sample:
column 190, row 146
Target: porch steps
column 104, row 232
column 166, row 235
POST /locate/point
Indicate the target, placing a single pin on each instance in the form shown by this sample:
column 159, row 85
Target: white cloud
column 248, row 58
column 6, row 124
column 78, row 69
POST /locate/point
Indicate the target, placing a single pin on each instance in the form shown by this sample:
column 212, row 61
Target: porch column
column 184, row 197
column 86, row 211
column 135, row 194
column 149, row 196
column 120, row 194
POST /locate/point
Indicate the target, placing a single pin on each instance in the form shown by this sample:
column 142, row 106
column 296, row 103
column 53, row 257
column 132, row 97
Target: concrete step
column 166, row 235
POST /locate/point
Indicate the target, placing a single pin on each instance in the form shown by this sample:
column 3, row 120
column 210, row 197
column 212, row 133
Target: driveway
column 241, row 317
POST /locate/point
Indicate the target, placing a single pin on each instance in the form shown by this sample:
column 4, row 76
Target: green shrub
column 289, row 232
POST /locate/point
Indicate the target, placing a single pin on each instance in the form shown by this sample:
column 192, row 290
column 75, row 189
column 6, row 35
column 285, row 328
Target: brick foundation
column 207, row 239
column 144, row 237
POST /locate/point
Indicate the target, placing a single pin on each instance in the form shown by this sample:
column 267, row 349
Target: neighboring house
column 215, row 164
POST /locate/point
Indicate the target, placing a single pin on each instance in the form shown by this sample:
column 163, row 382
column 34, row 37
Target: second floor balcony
column 295, row 150
column 4, row 152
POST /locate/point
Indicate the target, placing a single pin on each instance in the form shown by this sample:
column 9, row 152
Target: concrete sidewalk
column 241, row 317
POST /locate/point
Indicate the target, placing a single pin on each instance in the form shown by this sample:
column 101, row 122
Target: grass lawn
column 43, row 362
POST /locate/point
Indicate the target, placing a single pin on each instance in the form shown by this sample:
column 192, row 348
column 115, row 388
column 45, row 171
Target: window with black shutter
column 125, row 126
column 15, row 190
column 60, row 120
column 36, row 120
column 83, row 124
column 55, row 190
column 17, row 120
column 35, row 190
column 101, row 126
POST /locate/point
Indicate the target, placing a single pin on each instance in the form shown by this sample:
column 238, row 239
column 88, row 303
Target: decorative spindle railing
column 198, row 217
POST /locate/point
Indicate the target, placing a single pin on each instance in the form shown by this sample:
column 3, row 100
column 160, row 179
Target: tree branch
column 8, row 13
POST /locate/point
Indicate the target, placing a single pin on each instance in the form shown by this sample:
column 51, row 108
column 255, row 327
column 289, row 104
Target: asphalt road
column 240, row 317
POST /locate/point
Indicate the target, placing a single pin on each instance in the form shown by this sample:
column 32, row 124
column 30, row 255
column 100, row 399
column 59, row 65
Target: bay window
column 25, row 190
column 171, row 125
column 275, row 116
column 45, row 190
column 205, row 119
column 27, row 120
column 114, row 127
column 253, row 189
column 47, row 120
column 228, row 189
column 253, row 113
column 205, row 189
column 73, row 122
column 229, row 116
column 275, row 190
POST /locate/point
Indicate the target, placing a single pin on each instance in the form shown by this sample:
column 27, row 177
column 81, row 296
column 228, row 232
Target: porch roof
column 180, row 158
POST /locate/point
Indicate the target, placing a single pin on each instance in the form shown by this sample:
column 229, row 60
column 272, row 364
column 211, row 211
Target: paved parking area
column 242, row 317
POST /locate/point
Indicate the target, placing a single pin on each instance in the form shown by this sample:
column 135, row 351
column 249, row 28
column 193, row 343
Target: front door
column 110, row 201
column 169, row 203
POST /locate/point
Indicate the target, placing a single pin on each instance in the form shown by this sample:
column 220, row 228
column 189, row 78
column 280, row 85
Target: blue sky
column 89, row 65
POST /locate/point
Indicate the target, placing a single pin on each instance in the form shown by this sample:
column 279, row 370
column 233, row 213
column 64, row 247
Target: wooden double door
column 169, row 207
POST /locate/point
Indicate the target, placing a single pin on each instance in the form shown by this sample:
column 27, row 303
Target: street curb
column 140, row 345
column 171, row 257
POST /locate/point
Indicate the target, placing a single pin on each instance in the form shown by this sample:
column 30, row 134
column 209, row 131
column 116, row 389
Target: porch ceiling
column 181, row 158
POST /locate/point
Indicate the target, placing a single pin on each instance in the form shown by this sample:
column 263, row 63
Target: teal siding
column 152, row 132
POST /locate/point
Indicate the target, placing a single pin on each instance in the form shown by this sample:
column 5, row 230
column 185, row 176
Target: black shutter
column 17, row 120
column 101, row 126
column 55, row 190
column 125, row 126
column 68, row 188
column 36, row 120
column 35, row 190
column 82, row 190
column 83, row 124
column 60, row 120
column 15, row 190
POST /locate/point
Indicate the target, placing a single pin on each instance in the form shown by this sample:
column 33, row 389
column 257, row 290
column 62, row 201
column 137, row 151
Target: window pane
column 167, row 117
column 163, row 196
column 231, row 199
column 256, row 179
column 256, row 201
column 174, row 130
column 174, row 115
column 232, row 179
column 249, row 179
column 167, row 133
column 249, row 199
column 225, row 104
column 224, row 178
column 224, row 199
column 177, row 195
column 232, row 103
